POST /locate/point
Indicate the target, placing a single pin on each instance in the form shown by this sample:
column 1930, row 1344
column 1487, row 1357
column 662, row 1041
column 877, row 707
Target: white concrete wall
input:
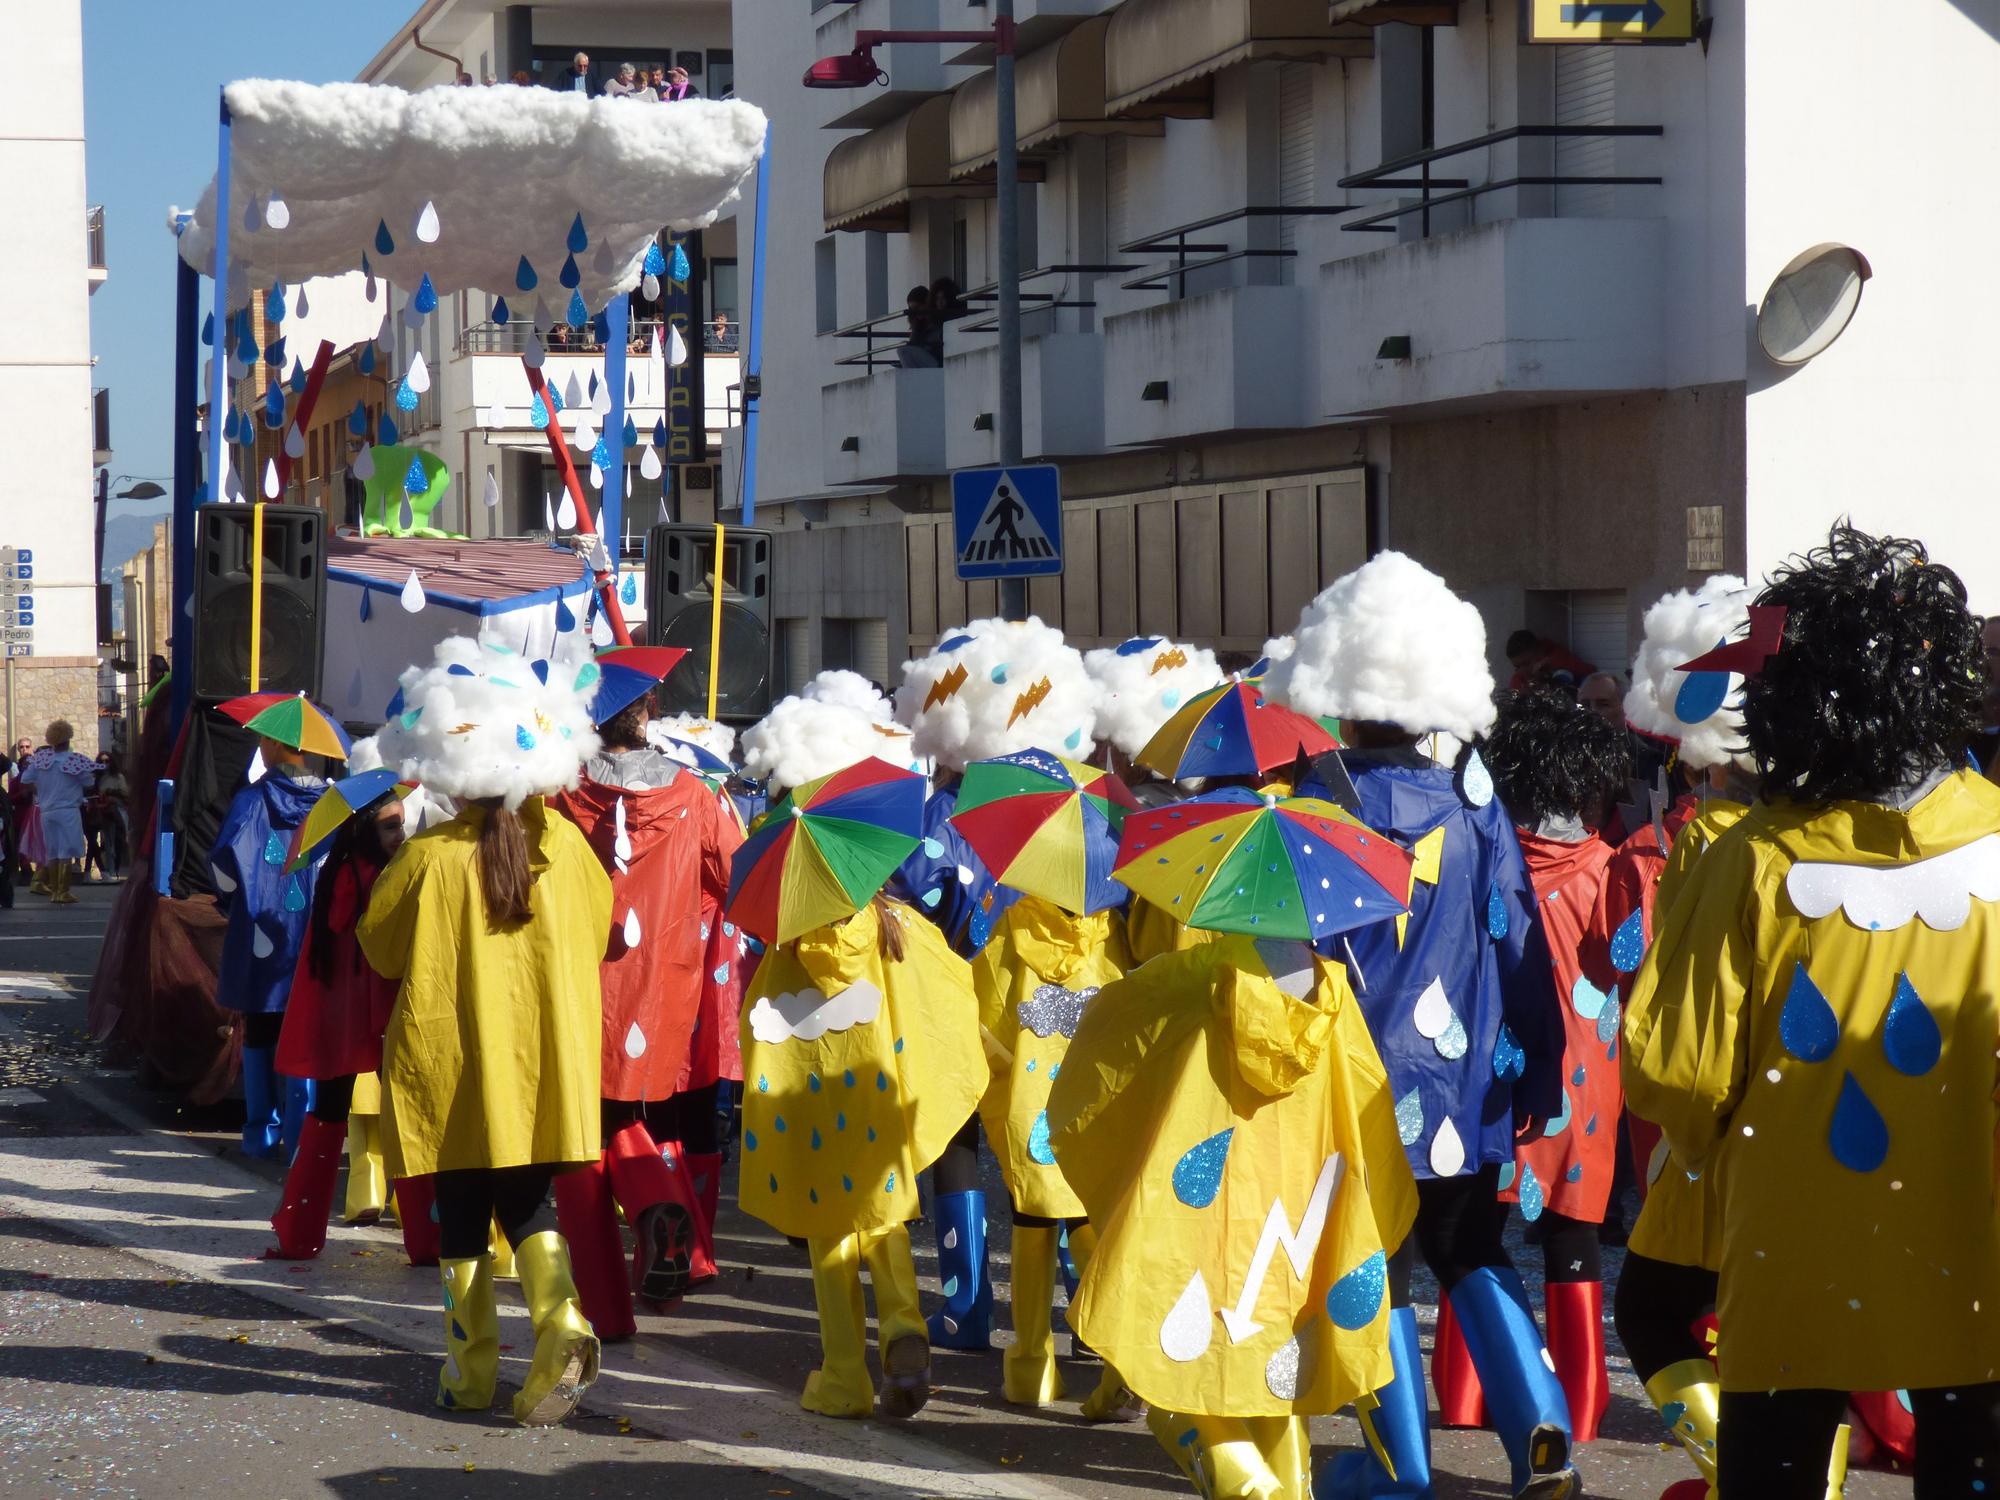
column 46, row 477
column 1877, row 129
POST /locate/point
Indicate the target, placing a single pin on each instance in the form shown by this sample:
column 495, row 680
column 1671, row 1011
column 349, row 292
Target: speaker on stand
column 680, row 596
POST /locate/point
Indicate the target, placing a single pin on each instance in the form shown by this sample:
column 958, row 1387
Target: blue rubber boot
column 1398, row 1430
column 966, row 1319
column 1524, row 1400
column 262, row 1131
column 298, row 1103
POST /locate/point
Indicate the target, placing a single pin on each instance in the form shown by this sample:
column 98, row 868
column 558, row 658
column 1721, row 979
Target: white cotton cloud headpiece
column 1389, row 642
column 1679, row 627
column 850, row 690
column 995, row 687
column 1143, row 683
column 480, row 721
column 803, row 739
column 717, row 739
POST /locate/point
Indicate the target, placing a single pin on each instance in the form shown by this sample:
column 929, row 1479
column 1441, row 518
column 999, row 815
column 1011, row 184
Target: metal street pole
column 1007, row 191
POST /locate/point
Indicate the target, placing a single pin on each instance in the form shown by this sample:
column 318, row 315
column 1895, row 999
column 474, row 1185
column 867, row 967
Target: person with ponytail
column 493, row 925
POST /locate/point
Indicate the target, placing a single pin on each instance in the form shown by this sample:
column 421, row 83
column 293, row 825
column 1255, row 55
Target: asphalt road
column 147, row 1349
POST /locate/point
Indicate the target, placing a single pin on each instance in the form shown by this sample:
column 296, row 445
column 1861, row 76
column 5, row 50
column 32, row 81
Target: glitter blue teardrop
column 426, row 298
column 1807, row 1025
column 1628, row 943
column 1039, row 1148
column 1198, row 1174
column 1354, row 1300
column 1496, row 913
column 677, row 264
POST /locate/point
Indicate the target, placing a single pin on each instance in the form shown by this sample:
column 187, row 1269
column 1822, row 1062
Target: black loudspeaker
column 680, row 594
column 294, row 605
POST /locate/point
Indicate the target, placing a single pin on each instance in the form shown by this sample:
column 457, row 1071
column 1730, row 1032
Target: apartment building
column 1308, row 279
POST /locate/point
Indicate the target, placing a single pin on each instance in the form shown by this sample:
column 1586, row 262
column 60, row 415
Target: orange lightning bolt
column 945, row 687
column 1167, row 660
column 1029, row 701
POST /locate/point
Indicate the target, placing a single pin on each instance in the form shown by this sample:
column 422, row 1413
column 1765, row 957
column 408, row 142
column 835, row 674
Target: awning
column 1058, row 92
column 1159, row 54
column 1382, row 12
column 872, row 179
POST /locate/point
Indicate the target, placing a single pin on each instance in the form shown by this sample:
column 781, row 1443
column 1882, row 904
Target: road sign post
column 1007, row 522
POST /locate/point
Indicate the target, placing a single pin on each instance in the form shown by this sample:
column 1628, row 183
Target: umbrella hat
column 1233, row 730
column 1046, row 826
column 694, row 757
column 340, row 801
column 291, row 719
column 625, row 673
column 825, row 849
column 1235, row 861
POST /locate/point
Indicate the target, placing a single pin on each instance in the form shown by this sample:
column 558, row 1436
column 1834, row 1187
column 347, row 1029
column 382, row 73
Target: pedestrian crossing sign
column 1007, row 523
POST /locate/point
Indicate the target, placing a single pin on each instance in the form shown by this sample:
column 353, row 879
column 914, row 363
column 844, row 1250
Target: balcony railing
column 1458, row 189
column 93, row 220
column 886, row 336
column 512, row 337
column 1174, row 243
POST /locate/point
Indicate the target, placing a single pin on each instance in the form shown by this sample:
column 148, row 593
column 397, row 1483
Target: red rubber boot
column 416, row 1211
column 705, row 1171
column 589, row 1221
column 1461, row 1403
column 659, row 1204
column 1575, row 1328
column 307, row 1200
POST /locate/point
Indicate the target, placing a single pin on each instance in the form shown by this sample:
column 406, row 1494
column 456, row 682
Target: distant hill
column 127, row 532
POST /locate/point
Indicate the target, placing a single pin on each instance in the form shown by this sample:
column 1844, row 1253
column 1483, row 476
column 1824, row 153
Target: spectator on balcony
column 626, row 85
column 922, row 351
column 678, row 87
column 722, row 334
column 576, row 77
column 946, row 306
column 521, row 78
column 656, row 81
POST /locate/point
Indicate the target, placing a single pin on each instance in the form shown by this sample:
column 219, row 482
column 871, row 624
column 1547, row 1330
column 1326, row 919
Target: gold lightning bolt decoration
column 1426, row 864
column 1167, row 660
column 1029, row 701
column 945, row 687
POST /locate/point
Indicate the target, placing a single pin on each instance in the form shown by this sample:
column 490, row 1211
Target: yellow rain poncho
column 857, row 1072
column 1681, row 1219
column 1817, row 1022
column 490, row 1059
column 1236, row 1148
column 1035, row 978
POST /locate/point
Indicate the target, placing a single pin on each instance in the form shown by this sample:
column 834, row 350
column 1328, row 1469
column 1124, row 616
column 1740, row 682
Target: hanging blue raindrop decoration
column 297, row 384
column 1807, row 1025
column 600, row 325
column 565, row 616
column 1198, row 1174
column 555, row 398
column 385, row 243
column 660, row 433
column 678, row 264
column 577, row 314
column 628, row 589
column 208, row 329
column 591, row 391
column 406, row 398
column 500, row 310
column 386, row 430
column 541, row 671
column 656, row 263
column 524, row 276
column 1628, row 943
column 1858, row 1136
column 416, row 481
column 1910, row 1036
column 366, row 363
column 274, row 405
column 538, row 413
column 579, row 240
column 244, row 333
column 274, row 354
column 246, row 348
column 426, row 298
column 274, row 303
column 631, row 433
column 600, row 455
column 569, row 276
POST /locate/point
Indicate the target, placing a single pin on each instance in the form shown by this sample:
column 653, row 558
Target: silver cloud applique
column 1053, row 1009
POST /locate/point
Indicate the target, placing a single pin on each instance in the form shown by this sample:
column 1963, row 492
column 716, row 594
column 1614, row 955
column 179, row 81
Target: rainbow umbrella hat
column 1046, row 826
column 626, row 673
column 291, row 719
column 340, row 801
column 1233, row 730
column 824, row 849
column 1235, row 861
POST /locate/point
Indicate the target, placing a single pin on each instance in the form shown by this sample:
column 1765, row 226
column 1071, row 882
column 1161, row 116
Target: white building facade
column 1301, row 286
column 51, row 420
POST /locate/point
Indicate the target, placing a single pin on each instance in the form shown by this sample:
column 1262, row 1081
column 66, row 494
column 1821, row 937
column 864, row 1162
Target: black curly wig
column 1881, row 676
column 1550, row 758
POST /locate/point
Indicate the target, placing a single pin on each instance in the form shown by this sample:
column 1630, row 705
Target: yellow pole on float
column 256, row 591
column 715, row 624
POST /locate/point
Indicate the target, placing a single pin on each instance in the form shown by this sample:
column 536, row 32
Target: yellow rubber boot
column 1028, row 1374
column 840, row 1387
column 60, row 875
column 1687, row 1396
column 900, row 1331
column 566, row 1350
column 471, row 1335
column 1237, row 1458
column 1836, row 1470
column 367, row 1183
column 503, row 1255
column 1113, row 1400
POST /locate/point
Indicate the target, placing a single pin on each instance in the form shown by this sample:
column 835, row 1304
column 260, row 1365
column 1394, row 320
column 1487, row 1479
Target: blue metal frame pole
column 611, row 512
column 218, row 376
column 187, row 477
column 753, row 343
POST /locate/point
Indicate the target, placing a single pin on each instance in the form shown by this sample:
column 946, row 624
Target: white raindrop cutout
column 413, row 593
column 534, row 356
column 1447, row 1151
column 649, row 287
column 566, row 513
column 300, row 307
column 584, row 437
column 572, row 391
column 364, row 464
column 256, row 771
column 295, row 443
column 649, row 462
column 1189, row 1325
column 277, row 216
column 418, row 376
column 492, row 490
column 635, row 1041
column 273, row 486
column 596, row 476
column 621, row 842
column 260, row 942
column 1433, row 1015
column 544, row 319
column 600, row 631
column 632, row 933
column 677, row 349
column 427, row 223
column 600, row 402
column 223, row 882
column 548, row 512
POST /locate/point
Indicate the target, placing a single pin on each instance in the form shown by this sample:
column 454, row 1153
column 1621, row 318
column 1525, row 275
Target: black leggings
column 333, row 1099
column 689, row 1117
column 1655, row 1309
column 1569, row 1249
column 470, row 1199
column 261, row 1027
column 957, row 1171
column 1774, row 1445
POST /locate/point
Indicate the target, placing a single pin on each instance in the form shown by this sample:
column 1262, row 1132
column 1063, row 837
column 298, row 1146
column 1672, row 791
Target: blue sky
column 153, row 69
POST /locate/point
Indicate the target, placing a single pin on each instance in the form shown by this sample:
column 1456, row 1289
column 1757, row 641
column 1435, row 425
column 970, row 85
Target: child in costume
column 1816, row 1020
column 861, row 1057
column 1220, row 1104
column 1458, row 996
column 268, row 911
column 1550, row 761
column 333, row 1027
column 61, row 780
column 494, row 925
column 665, row 842
column 992, row 688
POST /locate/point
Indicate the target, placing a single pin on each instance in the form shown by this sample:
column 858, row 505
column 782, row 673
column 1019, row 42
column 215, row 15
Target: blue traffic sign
column 1007, row 523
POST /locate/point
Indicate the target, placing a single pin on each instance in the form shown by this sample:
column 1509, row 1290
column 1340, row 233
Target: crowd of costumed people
column 1255, row 988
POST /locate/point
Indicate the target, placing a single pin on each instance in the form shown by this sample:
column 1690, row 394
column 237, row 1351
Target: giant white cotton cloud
column 507, row 169
column 1679, row 627
column 1390, row 642
column 850, row 690
column 1143, row 683
column 802, row 739
column 997, row 686
column 480, row 721
column 808, row 1015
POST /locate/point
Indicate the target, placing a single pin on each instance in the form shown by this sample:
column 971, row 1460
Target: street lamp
column 858, row 69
